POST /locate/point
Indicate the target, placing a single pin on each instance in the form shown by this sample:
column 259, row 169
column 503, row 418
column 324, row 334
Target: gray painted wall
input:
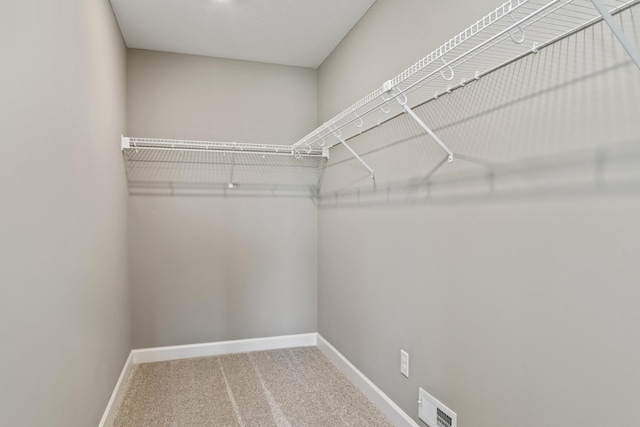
column 510, row 276
column 209, row 269
column 219, row 268
column 194, row 97
column 385, row 42
column 64, row 300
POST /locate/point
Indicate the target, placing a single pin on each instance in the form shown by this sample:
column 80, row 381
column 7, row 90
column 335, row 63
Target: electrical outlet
column 404, row 363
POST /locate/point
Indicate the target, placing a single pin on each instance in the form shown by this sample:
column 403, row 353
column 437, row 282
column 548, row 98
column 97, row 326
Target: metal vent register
column 444, row 420
column 433, row 412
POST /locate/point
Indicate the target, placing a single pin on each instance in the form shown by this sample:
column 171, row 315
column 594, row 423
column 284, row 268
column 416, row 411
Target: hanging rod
column 134, row 143
column 514, row 30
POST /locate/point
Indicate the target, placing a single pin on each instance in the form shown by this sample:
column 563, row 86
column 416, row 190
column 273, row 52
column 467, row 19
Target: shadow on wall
column 216, row 174
column 563, row 122
column 599, row 171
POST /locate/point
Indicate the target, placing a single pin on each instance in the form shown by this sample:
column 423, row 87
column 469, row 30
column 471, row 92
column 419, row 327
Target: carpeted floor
column 290, row 387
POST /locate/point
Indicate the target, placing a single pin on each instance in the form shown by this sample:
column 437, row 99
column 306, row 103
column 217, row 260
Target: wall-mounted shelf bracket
column 338, row 134
column 617, row 31
column 126, row 143
column 233, row 165
column 402, row 100
column 429, row 131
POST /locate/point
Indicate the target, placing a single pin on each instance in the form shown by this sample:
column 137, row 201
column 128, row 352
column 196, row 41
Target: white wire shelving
column 167, row 166
column 512, row 31
column 137, row 144
column 515, row 29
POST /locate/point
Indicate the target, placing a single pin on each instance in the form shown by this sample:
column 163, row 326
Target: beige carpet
column 291, row 387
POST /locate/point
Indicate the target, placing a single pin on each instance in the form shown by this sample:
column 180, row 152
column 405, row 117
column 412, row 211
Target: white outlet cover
column 404, row 363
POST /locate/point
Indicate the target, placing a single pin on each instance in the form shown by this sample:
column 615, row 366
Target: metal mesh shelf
column 160, row 166
column 515, row 29
column 512, row 31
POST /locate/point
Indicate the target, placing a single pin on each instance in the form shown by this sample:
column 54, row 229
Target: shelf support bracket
column 617, row 31
column 338, row 134
column 233, row 164
column 402, row 100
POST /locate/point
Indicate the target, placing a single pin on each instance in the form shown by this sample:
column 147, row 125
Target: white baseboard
column 161, row 354
column 377, row 396
column 116, row 396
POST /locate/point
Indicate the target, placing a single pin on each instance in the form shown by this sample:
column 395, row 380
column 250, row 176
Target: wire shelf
column 563, row 121
column 515, row 29
column 223, row 147
column 161, row 166
column 512, row 31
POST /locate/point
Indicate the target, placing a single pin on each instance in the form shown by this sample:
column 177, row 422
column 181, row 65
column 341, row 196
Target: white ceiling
column 290, row 32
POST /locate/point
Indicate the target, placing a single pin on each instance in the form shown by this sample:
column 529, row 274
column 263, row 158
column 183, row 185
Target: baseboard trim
column 161, row 354
column 118, row 391
column 377, row 396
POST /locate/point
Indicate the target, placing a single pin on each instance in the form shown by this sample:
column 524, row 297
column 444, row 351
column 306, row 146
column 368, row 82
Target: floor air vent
column 433, row 412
